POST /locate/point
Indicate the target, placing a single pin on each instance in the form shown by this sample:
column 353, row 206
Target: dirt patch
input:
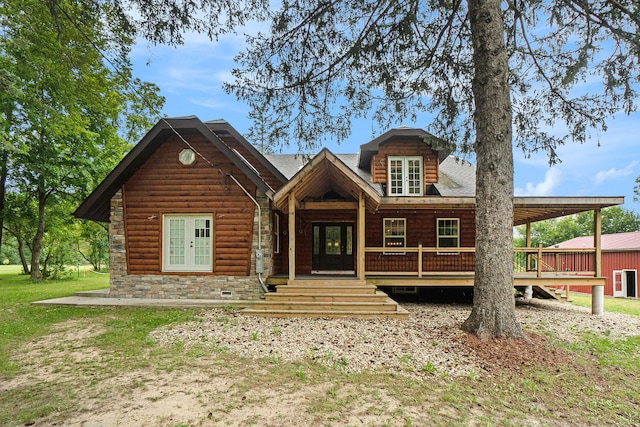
column 235, row 370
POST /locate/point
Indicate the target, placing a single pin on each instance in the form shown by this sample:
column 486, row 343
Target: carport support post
column 597, row 292
column 528, row 290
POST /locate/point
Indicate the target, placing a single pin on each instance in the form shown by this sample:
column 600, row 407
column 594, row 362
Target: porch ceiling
column 525, row 209
column 533, row 209
column 323, row 174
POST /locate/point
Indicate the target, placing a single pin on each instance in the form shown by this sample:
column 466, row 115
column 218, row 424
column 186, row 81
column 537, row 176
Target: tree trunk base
column 488, row 324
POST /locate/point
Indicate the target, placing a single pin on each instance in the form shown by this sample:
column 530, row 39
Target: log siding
column 412, row 148
column 164, row 186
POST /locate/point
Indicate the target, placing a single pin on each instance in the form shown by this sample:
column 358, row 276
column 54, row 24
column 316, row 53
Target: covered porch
column 355, row 203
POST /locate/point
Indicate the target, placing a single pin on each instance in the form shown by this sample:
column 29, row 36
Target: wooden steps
column 549, row 293
column 333, row 298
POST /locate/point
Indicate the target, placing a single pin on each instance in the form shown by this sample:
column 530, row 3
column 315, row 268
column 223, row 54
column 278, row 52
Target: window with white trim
column 187, row 243
column 448, row 233
column 395, row 234
column 405, row 176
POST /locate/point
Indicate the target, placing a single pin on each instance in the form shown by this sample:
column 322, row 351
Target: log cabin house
column 195, row 211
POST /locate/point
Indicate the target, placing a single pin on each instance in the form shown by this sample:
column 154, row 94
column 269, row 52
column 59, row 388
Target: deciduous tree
column 67, row 121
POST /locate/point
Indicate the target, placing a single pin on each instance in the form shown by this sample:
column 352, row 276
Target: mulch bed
column 514, row 355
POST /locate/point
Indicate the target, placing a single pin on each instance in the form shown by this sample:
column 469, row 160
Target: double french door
column 333, row 247
column 187, row 243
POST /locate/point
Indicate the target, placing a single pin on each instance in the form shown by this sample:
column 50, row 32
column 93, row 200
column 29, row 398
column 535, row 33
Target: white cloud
column 614, row 173
column 552, row 180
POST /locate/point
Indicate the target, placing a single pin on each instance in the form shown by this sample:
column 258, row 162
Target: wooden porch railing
column 418, row 261
column 578, row 261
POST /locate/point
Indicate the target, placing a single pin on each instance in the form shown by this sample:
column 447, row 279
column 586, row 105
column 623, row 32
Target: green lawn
column 596, row 380
column 617, row 305
column 21, row 322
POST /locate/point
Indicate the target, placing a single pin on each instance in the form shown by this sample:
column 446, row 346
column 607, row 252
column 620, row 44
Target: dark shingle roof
column 457, row 177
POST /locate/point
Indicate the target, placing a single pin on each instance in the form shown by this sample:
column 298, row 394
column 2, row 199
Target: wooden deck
column 453, row 279
column 340, row 296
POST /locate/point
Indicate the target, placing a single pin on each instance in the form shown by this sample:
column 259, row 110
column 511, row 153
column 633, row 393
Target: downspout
column 259, row 250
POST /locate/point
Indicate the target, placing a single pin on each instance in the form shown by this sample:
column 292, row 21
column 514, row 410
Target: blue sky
column 191, row 78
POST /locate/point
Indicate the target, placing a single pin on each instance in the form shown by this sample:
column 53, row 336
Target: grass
column 617, row 305
column 126, row 335
column 21, row 322
column 598, row 387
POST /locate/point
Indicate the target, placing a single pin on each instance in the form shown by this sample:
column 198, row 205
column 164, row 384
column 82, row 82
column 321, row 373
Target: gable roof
column 609, row 242
column 315, row 177
column 221, row 127
column 456, row 188
column 97, row 205
column 403, row 132
column 290, row 164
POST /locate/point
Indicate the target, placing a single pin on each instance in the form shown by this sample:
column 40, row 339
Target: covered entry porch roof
column 326, row 173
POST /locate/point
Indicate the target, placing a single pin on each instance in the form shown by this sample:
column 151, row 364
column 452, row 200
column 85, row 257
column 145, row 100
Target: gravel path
column 429, row 343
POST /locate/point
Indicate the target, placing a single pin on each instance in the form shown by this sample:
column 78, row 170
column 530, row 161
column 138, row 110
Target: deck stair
column 328, row 298
column 549, row 293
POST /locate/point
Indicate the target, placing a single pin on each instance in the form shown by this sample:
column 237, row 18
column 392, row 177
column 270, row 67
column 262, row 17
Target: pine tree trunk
column 493, row 313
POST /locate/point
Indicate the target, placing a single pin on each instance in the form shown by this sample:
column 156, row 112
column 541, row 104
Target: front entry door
column 332, row 247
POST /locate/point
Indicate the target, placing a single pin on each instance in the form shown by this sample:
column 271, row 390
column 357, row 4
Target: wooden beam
column 361, row 233
column 338, row 205
column 597, row 294
column 428, row 202
column 292, row 235
column 597, row 240
column 539, row 261
column 419, row 259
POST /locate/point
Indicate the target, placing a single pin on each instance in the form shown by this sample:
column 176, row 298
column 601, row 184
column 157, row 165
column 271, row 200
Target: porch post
column 292, row 236
column 539, row 262
column 597, row 292
column 361, row 237
column 528, row 290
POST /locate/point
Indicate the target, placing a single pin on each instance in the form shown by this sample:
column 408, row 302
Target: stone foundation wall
column 190, row 286
column 181, row 287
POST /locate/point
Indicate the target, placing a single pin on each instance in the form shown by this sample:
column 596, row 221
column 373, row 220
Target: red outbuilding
column 620, row 262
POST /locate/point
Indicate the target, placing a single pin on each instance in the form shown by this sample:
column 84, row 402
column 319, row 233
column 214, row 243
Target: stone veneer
column 175, row 286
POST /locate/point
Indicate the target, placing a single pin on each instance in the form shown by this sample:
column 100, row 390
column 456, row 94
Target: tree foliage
column 67, row 118
column 547, row 233
column 324, row 63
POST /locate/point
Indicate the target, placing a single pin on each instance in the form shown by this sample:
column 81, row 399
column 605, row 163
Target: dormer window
column 405, row 176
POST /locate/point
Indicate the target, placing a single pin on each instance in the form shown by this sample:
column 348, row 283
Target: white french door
column 187, row 242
